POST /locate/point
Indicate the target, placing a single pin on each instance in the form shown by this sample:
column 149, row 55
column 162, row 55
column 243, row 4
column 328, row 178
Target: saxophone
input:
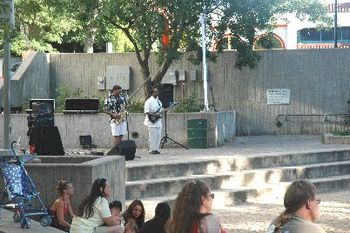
column 122, row 115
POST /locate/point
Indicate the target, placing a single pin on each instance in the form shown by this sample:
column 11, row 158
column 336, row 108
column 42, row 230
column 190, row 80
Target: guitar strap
column 158, row 110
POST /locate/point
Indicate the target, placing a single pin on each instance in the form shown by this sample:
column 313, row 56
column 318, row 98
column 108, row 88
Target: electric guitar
column 156, row 116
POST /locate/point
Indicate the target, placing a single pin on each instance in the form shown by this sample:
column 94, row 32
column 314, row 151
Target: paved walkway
column 255, row 218
column 7, row 225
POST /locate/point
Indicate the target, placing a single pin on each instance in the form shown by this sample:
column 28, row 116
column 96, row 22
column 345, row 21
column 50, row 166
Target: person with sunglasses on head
column 301, row 210
column 192, row 210
column 93, row 214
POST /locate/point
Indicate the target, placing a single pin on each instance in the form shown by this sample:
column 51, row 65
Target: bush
column 190, row 104
column 63, row 94
column 136, row 106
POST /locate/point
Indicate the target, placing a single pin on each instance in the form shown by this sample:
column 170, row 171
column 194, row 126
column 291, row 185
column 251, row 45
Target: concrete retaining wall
column 336, row 139
column 31, row 80
column 221, row 128
column 318, row 81
column 81, row 172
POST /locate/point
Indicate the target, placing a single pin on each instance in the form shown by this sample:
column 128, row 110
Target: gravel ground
column 253, row 218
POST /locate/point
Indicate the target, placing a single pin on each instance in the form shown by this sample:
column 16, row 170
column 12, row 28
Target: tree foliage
column 39, row 23
column 246, row 20
column 166, row 27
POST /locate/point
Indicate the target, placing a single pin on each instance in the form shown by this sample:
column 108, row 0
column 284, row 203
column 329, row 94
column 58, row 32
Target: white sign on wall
column 278, row 96
column 118, row 75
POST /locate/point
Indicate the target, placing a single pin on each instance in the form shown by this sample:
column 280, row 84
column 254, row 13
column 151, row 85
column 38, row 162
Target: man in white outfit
column 153, row 108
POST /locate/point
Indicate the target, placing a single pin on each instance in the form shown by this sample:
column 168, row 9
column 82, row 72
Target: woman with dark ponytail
column 192, row 210
column 301, row 210
column 94, row 212
column 61, row 208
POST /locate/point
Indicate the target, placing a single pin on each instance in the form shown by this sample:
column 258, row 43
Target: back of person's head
column 116, row 205
column 116, row 87
column 128, row 214
column 86, row 209
column 296, row 197
column 61, row 186
column 162, row 211
column 186, row 211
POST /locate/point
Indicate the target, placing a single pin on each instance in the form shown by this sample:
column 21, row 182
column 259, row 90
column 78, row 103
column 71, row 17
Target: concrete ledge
column 81, row 171
column 221, row 128
column 336, row 139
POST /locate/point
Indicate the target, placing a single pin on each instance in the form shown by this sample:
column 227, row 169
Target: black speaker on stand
column 166, row 94
column 44, row 137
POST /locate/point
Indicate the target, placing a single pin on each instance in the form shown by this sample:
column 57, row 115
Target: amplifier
column 81, row 105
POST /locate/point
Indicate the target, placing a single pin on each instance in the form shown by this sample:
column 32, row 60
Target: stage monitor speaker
column 82, row 104
column 166, row 94
column 126, row 148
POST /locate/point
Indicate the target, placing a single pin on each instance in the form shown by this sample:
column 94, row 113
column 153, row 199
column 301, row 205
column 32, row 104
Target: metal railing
column 325, row 118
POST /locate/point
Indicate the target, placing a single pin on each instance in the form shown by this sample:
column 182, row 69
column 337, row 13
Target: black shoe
column 157, row 152
column 153, row 152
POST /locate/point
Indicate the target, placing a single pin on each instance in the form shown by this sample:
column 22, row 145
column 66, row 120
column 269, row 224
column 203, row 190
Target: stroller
column 20, row 189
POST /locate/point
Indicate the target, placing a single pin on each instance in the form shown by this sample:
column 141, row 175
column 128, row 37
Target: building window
column 345, row 31
column 268, row 42
column 309, row 34
column 329, row 35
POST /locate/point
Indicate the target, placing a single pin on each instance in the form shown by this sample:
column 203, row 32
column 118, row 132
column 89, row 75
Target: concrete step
column 167, row 186
column 189, row 166
column 267, row 193
column 236, row 179
column 258, row 177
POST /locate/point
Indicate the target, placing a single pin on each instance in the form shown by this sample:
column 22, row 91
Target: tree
column 171, row 27
column 168, row 27
column 246, row 20
column 38, row 24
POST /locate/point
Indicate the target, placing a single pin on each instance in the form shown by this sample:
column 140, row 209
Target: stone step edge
column 197, row 176
column 246, row 188
column 218, row 157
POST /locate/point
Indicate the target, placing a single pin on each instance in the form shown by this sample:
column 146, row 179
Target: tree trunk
column 89, row 44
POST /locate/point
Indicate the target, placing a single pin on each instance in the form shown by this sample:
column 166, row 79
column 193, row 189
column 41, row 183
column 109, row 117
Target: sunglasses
column 318, row 200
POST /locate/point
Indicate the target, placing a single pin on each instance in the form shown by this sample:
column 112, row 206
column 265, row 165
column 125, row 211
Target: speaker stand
column 166, row 137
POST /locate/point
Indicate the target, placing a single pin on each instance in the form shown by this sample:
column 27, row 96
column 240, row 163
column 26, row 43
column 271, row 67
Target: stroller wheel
column 26, row 222
column 16, row 217
column 45, row 221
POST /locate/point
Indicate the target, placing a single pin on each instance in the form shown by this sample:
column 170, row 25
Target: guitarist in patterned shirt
column 114, row 107
column 153, row 108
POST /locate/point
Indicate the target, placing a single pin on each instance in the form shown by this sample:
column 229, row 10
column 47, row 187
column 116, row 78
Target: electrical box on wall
column 118, row 75
column 182, row 75
column 169, row 77
column 101, row 83
column 193, row 75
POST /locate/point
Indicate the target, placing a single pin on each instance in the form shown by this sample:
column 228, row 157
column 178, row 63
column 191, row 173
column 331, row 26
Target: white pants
column 154, row 135
column 118, row 130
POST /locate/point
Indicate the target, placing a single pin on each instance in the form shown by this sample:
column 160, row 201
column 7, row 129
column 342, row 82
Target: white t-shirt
column 101, row 211
column 152, row 105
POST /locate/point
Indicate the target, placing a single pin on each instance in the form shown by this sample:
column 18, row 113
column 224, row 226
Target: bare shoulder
column 210, row 224
column 211, row 218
